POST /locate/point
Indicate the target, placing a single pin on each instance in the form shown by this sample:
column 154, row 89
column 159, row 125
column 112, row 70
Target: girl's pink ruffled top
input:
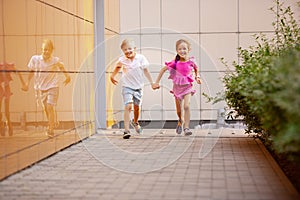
column 181, row 72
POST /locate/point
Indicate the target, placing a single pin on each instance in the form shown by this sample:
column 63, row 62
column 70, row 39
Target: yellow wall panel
column 68, row 23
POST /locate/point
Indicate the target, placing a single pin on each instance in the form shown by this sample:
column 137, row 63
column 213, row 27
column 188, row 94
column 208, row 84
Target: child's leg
column 45, row 104
column 127, row 111
column 1, row 98
column 50, row 103
column 178, row 104
column 137, row 102
column 1, row 123
column 7, row 115
column 51, row 116
column 6, row 108
column 136, row 113
column 186, row 108
column 136, row 116
column 56, row 122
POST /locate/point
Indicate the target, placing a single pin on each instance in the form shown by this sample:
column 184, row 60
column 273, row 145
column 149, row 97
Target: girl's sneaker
column 2, row 128
column 179, row 127
column 126, row 135
column 187, row 131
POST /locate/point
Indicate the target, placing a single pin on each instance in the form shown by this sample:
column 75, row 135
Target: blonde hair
column 126, row 42
column 49, row 43
column 178, row 42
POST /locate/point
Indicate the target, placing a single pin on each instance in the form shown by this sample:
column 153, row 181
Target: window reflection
column 37, row 120
column 5, row 94
column 46, row 83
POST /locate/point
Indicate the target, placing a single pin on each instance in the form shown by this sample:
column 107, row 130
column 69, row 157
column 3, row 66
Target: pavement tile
column 234, row 168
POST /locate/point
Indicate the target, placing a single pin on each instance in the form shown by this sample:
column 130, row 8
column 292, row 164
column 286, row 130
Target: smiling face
column 183, row 50
column 129, row 49
column 47, row 49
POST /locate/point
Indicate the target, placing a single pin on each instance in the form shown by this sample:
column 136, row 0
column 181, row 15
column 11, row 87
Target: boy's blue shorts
column 132, row 96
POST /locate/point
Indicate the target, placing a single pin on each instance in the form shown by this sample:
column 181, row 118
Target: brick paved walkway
column 157, row 165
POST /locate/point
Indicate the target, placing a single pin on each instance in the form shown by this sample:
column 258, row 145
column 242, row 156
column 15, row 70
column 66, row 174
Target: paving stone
column 235, row 168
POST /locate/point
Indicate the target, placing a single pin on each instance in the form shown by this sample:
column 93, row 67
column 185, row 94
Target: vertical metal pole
column 99, row 59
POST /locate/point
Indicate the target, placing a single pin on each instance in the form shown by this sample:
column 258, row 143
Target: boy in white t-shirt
column 134, row 67
column 45, row 67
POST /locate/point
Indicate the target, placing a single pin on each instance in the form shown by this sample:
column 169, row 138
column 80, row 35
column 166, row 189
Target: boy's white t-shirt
column 133, row 71
column 44, row 81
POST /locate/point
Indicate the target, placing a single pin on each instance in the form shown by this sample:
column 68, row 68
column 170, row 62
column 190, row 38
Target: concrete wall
column 216, row 28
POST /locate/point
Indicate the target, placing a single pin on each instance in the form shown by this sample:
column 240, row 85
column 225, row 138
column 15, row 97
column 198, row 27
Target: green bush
column 285, row 100
column 265, row 87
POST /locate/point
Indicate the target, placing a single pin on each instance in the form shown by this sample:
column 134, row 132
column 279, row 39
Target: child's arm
column 149, row 77
column 161, row 73
column 67, row 76
column 24, row 87
column 22, row 80
column 197, row 75
column 30, row 74
column 115, row 72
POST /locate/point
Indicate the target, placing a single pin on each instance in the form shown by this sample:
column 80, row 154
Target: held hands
column 155, row 86
column 67, row 80
column 198, row 80
column 24, row 87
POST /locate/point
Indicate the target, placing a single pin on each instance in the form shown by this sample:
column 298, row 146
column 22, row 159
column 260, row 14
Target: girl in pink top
column 181, row 72
column 5, row 78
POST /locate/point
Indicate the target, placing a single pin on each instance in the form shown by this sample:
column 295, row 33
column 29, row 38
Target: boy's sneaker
column 187, row 131
column 136, row 126
column 179, row 127
column 50, row 133
column 126, row 135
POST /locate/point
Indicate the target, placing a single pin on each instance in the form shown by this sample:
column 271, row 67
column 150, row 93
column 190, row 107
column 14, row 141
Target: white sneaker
column 136, row 126
column 187, row 131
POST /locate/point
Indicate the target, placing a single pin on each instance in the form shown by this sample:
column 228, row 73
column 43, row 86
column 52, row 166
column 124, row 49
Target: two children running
column 135, row 66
